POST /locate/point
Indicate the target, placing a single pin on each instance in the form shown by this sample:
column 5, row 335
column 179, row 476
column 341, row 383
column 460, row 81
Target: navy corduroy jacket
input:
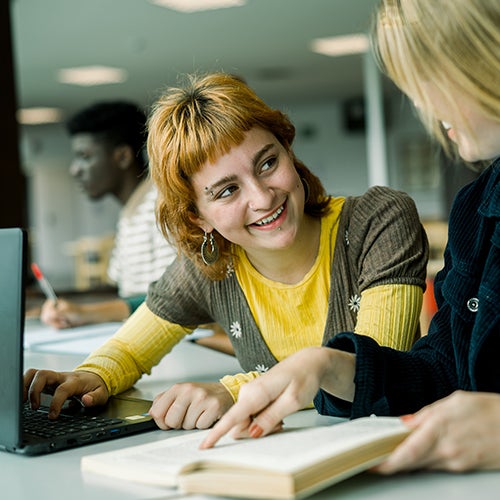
column 462, row 348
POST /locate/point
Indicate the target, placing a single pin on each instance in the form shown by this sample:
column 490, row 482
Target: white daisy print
column 235, row 330
column 354, row 303
column 346, row 237
column 261, row 368
column 229, row 269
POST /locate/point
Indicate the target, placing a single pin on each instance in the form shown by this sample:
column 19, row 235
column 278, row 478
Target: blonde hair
column 200, row 122
column 449, row 43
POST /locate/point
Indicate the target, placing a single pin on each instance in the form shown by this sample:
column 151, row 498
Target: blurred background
column 309, row 58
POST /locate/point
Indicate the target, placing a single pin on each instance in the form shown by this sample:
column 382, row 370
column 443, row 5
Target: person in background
column 263, row 251
column 440, row 53
column 108, row 140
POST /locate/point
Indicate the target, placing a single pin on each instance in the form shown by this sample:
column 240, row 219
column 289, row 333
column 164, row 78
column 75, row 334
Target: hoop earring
column 209, row 255
column 307, row 190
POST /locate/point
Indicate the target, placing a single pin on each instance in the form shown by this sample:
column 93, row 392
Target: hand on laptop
column 88, row 387
column 191, row 405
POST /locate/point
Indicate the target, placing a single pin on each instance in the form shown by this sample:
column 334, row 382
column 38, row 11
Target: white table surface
column 58, row 476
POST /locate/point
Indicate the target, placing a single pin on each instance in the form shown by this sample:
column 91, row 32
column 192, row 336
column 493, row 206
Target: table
column 56, row 476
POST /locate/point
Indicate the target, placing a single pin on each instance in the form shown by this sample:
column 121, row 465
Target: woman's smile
column 272, row 221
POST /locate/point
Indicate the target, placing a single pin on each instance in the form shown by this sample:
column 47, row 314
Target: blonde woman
column 444, row 54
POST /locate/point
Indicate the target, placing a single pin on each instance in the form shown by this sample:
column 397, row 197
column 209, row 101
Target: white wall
column 337, row 157
column 60, row 213
column 413, row 161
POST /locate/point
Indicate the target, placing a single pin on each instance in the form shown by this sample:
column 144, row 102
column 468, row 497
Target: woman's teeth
column 446, row 125
column 271, row 218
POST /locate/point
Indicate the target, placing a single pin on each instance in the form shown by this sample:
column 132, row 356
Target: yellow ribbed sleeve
column 135, row 348
column 386, row 313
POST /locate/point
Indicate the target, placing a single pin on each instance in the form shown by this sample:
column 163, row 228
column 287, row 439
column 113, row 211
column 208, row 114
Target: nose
column 74, row 168
column 261, row 196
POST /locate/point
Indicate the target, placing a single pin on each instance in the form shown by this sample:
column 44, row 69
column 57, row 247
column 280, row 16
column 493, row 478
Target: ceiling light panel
column 39, row 116
column 88, row 76
column 341, row 45
column 197, row 5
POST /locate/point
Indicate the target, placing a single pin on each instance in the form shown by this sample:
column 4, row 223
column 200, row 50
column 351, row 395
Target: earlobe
column 201, row 223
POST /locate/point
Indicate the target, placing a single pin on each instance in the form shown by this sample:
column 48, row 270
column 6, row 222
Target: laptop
column 30, row 432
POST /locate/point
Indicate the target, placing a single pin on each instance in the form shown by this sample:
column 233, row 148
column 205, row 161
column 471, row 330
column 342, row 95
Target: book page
column 294, row 449
column 156, row 463
column 286, row 451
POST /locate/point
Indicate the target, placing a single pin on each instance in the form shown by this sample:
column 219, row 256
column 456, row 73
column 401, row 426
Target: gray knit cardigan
column 380, row 241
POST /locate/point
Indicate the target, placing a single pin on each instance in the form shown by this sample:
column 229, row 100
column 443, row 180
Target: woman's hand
column 88, row 387
column 289, row 386
column 191, row 405
column 458, row 433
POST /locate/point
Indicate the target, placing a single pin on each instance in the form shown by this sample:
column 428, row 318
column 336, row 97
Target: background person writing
column 264, row 252
column 444, row 55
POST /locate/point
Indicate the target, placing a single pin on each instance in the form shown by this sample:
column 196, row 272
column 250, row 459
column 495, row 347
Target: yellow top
column 386, row 313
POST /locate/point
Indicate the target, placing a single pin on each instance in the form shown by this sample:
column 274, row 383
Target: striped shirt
column 141, row 253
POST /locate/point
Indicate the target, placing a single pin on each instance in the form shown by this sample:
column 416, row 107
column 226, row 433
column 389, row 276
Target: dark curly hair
column 114, row 123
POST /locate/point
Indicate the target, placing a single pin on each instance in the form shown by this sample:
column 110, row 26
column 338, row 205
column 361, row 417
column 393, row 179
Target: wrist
column 337, row 371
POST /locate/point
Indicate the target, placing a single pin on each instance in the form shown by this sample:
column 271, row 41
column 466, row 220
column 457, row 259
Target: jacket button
column 473, row 304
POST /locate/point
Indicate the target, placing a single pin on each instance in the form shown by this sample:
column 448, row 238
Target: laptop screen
column 12, row 280
column 121, row 416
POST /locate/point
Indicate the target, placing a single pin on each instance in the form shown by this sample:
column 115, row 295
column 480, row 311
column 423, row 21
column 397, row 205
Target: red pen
column 44, row 284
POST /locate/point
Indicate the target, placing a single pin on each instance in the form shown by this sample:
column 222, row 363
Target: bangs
column 202, row 137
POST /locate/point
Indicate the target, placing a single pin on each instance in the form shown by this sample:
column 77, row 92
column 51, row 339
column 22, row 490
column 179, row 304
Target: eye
column 226, row 192
column 82, row 155
column 269, row 164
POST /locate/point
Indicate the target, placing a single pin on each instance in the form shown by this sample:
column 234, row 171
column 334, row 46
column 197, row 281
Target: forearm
column 101, row 312
column 135, row 348
column 118, row 370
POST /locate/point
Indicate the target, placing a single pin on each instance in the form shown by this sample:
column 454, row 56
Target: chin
column 470, row 155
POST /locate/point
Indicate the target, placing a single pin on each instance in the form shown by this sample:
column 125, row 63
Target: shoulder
column 382, row 196
column 380, row 202
column 382, row 215
column 143, row 199
column 385, row 202
column 181, row 286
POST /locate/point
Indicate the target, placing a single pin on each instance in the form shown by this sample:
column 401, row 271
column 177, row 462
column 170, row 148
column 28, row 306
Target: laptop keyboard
column 37, row 423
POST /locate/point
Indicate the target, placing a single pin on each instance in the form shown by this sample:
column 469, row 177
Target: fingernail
column 255, row 430
column 407, row 418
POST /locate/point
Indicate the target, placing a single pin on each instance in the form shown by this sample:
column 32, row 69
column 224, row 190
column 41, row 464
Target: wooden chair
column 92, row 256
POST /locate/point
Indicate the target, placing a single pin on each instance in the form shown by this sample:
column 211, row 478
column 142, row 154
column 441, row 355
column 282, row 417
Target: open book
column 293, row 463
